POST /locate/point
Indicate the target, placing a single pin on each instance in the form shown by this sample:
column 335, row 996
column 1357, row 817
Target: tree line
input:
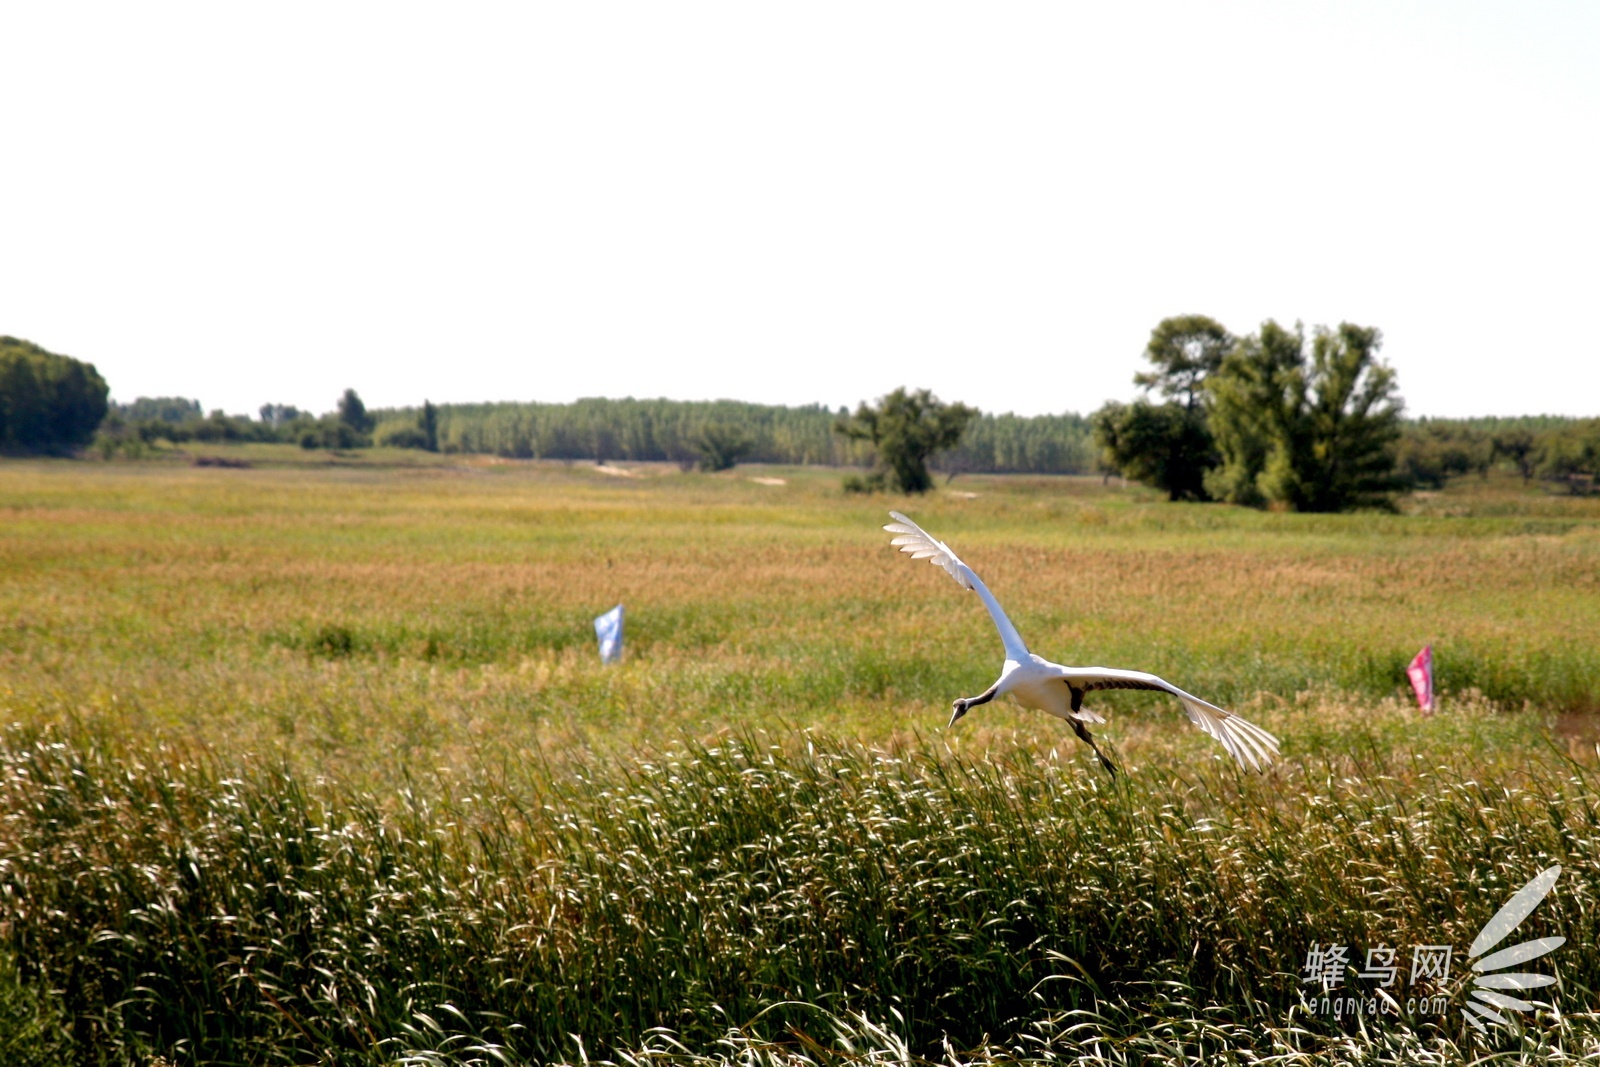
column 1564, row 453
column 719, row 433
column 133, row 427
column 713, row 435
column 1279, row 417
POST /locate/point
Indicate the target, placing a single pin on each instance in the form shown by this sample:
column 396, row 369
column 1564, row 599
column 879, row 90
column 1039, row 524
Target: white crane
column 1037, row 683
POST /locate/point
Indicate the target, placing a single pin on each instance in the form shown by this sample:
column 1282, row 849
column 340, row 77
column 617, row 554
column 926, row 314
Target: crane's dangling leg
column 1083, row 732
column 960, row 707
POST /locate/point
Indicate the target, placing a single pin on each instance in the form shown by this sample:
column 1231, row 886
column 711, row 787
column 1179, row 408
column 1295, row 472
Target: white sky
column 795, row 203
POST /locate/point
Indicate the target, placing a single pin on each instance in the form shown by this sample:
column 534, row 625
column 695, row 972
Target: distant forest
column 53, row 403
column 1429, row 451
column 673, row 431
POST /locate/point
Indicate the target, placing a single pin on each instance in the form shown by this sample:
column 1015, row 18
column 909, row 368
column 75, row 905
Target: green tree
column 1161, row 445
column 1185, row 350
column 399, row 434
column 1041, row 443
column 905, row 429
column 274, row 415
column 419, row 432
column 353, row 413
column 721, row 446
column 1312, row 434
column 428, row 422
column 333, row 433
column 1248, row 394
column 1519, row 446
column 1168, row 445
column 1431, row 451
column 160, row 409
column 1570, row 457
column 48, row 402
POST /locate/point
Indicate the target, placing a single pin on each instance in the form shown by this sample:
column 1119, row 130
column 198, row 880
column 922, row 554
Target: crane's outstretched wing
column 919, row 544
column 1243, row 740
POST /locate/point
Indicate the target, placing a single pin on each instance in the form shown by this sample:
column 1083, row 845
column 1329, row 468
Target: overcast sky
column 795, row 203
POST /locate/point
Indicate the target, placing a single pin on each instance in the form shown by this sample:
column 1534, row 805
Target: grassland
column 313, row 762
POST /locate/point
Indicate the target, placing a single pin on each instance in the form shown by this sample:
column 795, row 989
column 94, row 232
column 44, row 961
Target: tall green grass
column 802, row 898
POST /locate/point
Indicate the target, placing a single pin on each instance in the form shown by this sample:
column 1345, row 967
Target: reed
column 316, row 764
column 801, row 896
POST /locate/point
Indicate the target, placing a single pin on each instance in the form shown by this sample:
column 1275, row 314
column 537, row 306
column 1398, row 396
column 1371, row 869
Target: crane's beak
column 959, row 710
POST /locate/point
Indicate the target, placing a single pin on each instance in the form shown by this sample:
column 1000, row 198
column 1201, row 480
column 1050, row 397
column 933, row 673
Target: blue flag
column 608, row 628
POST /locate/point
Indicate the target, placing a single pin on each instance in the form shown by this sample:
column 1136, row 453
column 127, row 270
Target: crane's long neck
column 1015, row 648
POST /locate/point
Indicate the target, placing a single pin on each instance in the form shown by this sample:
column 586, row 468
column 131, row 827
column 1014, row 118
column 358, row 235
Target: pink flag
column 1421, row 674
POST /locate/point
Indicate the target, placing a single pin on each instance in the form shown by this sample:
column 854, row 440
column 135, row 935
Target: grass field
column 314, row 762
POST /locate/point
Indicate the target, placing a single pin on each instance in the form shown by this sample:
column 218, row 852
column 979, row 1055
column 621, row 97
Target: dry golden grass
column 348, row 613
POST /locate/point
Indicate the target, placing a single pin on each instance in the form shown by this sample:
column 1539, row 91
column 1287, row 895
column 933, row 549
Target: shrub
column 400, row 435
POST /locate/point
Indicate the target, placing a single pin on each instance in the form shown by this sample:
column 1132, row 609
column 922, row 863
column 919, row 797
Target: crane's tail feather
column 1246, row 742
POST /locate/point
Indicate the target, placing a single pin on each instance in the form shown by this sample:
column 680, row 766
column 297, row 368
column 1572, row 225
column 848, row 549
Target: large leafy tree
column 1310, row 431
column 1169, row 445
column 721, row 445
column 906, row 428
column 1248, row 395
column 48, row 402
column 1162, row 445
column 1184, row 350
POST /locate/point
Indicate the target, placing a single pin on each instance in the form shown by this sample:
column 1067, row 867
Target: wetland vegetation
column 313, row 761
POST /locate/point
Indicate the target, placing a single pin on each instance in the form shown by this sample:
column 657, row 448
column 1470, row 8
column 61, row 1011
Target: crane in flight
column 1037, row 683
